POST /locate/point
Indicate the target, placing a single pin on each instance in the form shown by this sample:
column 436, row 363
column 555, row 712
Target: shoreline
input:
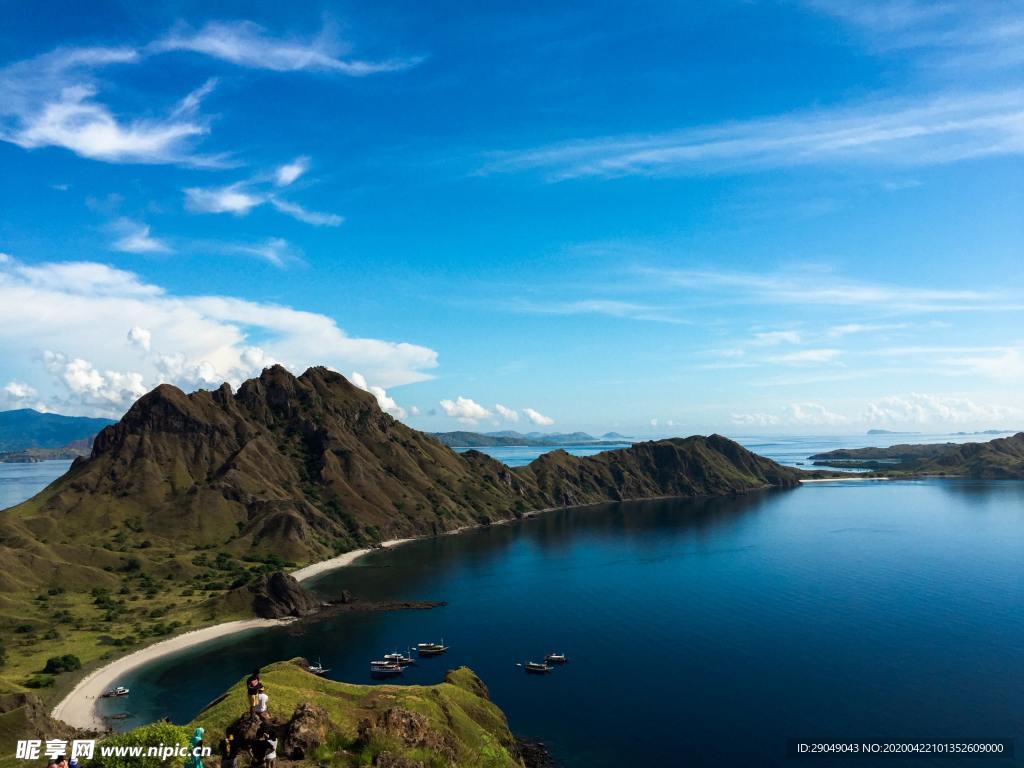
column 79, row 707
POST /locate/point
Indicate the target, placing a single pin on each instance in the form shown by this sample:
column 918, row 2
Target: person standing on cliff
column 261, row 703
column 252, row 687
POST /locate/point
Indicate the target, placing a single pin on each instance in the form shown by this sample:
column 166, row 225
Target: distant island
column 1002, row 458
column 461, row 439
column 27, row 429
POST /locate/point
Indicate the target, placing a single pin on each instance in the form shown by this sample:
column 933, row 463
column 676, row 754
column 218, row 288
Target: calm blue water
column 701, row 633
column 22, row 481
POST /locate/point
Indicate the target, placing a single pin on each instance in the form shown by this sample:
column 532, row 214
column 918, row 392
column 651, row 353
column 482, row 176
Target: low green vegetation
column 458, row 724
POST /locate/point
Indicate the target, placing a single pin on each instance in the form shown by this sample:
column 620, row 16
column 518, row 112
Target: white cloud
column 287, row 174
column 51, row 101
column 774, row 338
column 274, row 250
column 386, row 403
column 838, row 331
column 315, row 218
column 944, row 128
column 538, row 418
column 249, row 45
column 813, row 414
column 627, row 310
column 90, row 387
column 81, row 312
column 654, row 422
column 755, row 419
column 509, row 414
column 18, row 394
column 135, row 237
column 234, row 199
column 414, row 410
column 806, row 357
column 921, row 409
column 140, row 337
column 815, row 286
column 465, row 410
column 794, row 414
column 243, row 196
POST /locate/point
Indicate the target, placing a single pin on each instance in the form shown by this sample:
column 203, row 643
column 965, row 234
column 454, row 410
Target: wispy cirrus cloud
column 815, row 287
column 950, row 36
column 52, row 100
column 136, row 237
column 888, row 133
column 247, row 44
column 241, row 197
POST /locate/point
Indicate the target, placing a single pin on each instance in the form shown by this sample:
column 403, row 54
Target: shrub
column 145, row 736
column 66, row 663
column 39, row 681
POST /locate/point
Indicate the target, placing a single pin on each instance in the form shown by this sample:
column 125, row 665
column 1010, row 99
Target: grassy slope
column 185, row 496
column 475, row 725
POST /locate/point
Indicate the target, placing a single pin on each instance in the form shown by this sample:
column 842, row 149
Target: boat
column 384, row 669
column 431, row 649
column 537, row 668
column 399, row 658
column 556, row 658
column 118, row 691
column 318, row 668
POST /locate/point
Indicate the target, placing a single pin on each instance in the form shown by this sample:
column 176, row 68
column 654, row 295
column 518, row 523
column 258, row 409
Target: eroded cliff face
column 302, row 468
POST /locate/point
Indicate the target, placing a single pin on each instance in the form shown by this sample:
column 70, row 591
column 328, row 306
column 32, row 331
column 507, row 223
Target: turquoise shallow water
column 701, row 633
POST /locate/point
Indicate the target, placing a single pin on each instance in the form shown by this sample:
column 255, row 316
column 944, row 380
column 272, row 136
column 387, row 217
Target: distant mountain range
column 508, row 437
column 25, row 428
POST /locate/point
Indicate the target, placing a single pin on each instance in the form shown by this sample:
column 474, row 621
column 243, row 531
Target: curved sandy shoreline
column 78, row 708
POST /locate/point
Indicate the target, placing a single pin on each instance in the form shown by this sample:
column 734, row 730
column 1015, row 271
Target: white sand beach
column 78, row 708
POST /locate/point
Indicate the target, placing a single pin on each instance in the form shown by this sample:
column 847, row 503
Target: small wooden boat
column 318, row 668
column 118, row 691
column 384, row 669
column 537, row 668
column 431, row 649
column 399, row 658
column 556, row 658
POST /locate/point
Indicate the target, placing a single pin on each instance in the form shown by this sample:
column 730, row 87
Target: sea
column 712, row 632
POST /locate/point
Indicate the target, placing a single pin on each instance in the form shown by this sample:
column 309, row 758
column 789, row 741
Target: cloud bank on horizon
column 808, row 219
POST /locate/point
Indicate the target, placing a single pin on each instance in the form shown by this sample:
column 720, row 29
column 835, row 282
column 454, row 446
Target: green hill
column 191, row 497
column 452, row 723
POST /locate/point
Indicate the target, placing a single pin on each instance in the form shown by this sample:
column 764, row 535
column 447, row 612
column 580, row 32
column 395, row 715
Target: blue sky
column 681, row 217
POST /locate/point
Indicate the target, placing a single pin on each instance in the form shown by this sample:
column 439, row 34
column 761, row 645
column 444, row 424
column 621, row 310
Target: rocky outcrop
column 407, row 728
column 278, row 595
column 308, row 729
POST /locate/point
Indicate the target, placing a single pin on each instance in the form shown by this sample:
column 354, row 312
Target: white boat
column 537, row 668
column 384, row 669
column 556, row 658
column 118, row 691
column 431, row 649
column 399, row 658
column 318, row 668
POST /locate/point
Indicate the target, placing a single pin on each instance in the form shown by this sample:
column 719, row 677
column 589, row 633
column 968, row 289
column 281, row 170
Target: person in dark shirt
column 228, row 751
column 252, row 687
column 258, row 750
